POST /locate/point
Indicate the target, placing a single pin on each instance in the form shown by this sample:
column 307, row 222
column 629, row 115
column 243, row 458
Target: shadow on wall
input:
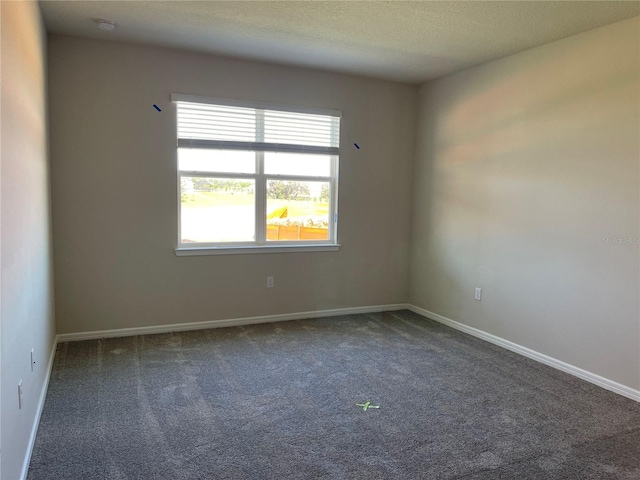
column 524, row 165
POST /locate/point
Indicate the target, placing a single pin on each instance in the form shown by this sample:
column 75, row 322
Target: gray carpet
column 276, row 401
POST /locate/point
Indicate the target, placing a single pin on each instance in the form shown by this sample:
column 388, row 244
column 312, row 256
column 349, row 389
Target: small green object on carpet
column 366, row 405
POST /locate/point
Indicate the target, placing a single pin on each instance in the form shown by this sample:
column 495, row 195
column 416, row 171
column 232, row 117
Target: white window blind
column 259, row 128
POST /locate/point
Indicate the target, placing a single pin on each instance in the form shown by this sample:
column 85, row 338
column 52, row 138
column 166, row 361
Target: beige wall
column 26, row 291
column 523, row 166
column 114, row 191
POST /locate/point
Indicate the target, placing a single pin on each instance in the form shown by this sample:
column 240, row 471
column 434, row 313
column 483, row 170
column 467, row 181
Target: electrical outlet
column 20, row 395
column 478, row 294
column 270, row 282
column 33, row 362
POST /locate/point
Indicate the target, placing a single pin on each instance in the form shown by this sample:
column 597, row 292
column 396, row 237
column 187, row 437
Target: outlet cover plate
column 478, row 295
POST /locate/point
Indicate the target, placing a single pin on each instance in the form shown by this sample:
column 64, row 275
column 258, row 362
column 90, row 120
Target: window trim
column 243, row 250
column 260, row 181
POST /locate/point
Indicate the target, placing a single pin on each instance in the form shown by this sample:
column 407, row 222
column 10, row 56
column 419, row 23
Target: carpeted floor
column 277, row 401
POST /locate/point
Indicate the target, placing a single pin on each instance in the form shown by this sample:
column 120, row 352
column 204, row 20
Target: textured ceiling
column 404, row 41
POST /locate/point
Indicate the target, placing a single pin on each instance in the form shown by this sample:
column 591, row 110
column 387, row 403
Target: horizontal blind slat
column 255, row 146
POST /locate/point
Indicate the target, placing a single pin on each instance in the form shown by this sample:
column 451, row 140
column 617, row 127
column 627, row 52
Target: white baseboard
column 527, row 352
column 514, row 347
column 39, row 408
column 233, row 322
column 177, row 327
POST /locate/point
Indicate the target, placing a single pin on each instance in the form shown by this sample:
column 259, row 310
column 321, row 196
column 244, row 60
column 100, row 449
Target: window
column 254, row 176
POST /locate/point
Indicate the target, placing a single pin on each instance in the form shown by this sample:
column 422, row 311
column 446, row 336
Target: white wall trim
column 514, row 347
column 39, row 408
column 178, row 327
column 527, row 352
column 232, row 322
column 237, row 250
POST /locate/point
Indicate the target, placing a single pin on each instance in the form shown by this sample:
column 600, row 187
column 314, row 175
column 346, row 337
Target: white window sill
column 194, row 251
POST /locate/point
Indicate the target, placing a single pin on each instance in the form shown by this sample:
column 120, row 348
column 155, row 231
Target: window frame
column 260, row 244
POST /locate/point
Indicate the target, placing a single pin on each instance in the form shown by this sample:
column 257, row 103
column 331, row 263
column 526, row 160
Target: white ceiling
column 404, row 41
